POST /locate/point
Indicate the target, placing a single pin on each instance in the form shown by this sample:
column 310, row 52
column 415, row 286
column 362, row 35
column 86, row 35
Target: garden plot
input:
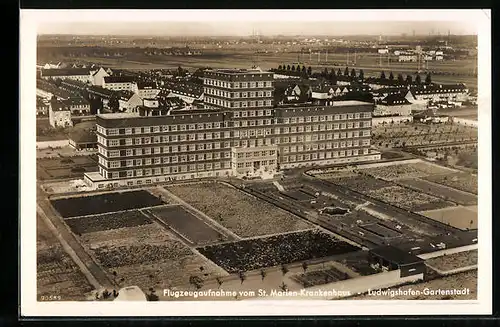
column 438, row 190
column 453, row 261
column 403, row 171
column 258, row 253
column 299, row 195
column 57, row 274
column 243, row 214
column 90, row 224
column 408, row 199
column 189, row 226
column 360, row 263
column 104, row 203
column 320, row 277
column 459, row 217
column 145, row 255
column 361, row 183
column 461, row 181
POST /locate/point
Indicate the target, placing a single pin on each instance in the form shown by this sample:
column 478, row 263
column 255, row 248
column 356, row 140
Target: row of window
column 238, row 104
column 157, row 129
column 318, row 118
column 227, row 94
column 325, row 127
column 164, row 149
column 237, row 85
column 256, row 154
column 167, row 170
column 322, row 146
column 164, row 139
column 252, row 113
column 250, row 164
column 324, row 155
column 164, row 160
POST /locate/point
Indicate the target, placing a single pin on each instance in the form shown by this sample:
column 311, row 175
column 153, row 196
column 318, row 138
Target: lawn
column 408, row 199
column 454, row 261
column 104, row 203
column 275, row 250
column 461, row 181
column 241, row 213
column 320, row 277
column 438, row 190
column 459, row 217
column 189, row 226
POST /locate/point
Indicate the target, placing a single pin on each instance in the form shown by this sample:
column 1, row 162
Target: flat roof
column 331, row 103
column 395, row 255
column 119, row 115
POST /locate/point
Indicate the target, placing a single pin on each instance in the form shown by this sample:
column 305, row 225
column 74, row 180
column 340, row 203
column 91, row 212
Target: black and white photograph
column 243, row 162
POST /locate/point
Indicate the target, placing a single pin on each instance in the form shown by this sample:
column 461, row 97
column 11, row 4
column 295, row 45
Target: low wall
column 52, row 144
column 439, row 253
column 347, row 288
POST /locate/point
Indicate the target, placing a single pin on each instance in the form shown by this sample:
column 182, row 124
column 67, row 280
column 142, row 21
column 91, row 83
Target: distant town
column 288, row 165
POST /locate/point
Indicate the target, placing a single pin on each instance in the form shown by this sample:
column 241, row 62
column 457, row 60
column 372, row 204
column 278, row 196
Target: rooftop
column 118, row 79
column 119, row 115
column 239, row 71
column 344, row 103
column 395, row 255
column 65, row 71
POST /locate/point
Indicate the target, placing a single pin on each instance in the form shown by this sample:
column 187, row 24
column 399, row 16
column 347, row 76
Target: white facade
column 98, row 77
column 120, row 86
column 148, row 93
column 407, row 58
column 129, row 104
column 60, row 118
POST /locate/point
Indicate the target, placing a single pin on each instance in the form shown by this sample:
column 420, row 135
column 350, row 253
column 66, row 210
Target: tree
column 304, row 70
column 418, row 79
column 284, row 287
column 263, row 274
column 309, row 71
column 242, row 276
column 361, row 74
column 401, row 79
column 382, row 75
column 280, row 67
column 325, row 72
column 114, row 104
column 293, row 68
column 284, row 269
column 288, row 67
column 409, row 79
column 219, row 281
column 152, row 295
column 391, row 76
column 346, row 71
column 304, row 266
column 353, row 73
column 428, row 79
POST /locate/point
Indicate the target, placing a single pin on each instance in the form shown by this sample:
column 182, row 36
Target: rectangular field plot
column 258, row 253
column 103, row 203
column 460, row 181
column 459, row 217
column 440, row 191
column 409, row 170
column 359, row 262
column 320, row 277
column 299, row 195
column 409, row 199
column 243, row 214
column 361, row 183
column 454, row 261
column 189, row 226
column 90, row 224
column 146, row 256
column 381, row 230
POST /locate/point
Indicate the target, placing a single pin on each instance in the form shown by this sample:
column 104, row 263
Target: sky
column 245, row 28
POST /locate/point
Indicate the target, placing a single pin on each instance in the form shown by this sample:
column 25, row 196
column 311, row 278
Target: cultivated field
column 419, row 134
column 61, row 168
column 98, row 223
column 187, row 225
column 275, row 250
column 461, row 181
column 320, row 277
column 146, row 256
column 454, row 261
column 405, row 170
column 57, row 274
column 439, row 190
column 460, row 217
column 103, row 203
column 243, row 214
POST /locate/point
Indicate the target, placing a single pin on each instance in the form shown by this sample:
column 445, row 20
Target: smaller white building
column 120, row 83
column 59, row 114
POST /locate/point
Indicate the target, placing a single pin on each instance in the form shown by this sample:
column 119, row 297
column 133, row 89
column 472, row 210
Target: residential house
column 128, row 101
column 78, row 106
column 147, row 90
column 83, row 140
column 59, row 114
column 440, row 92
column 48, row 90
column 120, row 83
column 97, row 92
column 393, row 105
column 98, row 76
column 298, row 92
column 78, row 74
column 42, row 106
column 189, row 92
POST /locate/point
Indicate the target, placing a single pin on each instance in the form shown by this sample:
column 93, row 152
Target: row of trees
column 408, row 80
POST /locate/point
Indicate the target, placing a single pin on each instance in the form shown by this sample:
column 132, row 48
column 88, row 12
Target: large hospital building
column 240, row 132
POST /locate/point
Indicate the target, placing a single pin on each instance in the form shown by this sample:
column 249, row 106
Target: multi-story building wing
column 239, row 133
